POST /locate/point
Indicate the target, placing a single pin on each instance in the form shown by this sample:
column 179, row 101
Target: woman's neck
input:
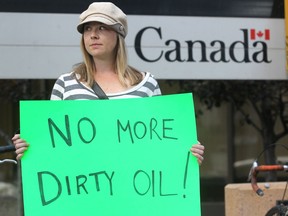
column 106, row 76
column 104, row 65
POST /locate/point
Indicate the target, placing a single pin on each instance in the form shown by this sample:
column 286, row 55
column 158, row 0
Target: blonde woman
column 104, row 72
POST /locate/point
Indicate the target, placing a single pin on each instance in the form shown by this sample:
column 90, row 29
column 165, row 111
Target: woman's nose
column 95, row 34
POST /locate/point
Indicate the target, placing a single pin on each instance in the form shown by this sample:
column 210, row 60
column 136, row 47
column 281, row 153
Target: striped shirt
column 67, row 87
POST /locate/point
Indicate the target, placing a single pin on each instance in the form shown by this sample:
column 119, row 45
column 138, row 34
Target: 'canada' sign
column 220, row 51
column 170, row 47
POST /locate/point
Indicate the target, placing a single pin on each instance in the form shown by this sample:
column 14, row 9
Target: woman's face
column 100, row 40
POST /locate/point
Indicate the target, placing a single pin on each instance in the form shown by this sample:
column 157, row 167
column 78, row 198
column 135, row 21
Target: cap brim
column 103, row 20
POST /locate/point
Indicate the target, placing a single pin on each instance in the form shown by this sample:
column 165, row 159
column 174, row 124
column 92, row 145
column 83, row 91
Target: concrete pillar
column 9, row 203
column 241, row 200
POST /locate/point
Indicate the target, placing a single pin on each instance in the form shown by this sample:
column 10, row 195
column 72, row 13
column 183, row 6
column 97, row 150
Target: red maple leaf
column 259, row 34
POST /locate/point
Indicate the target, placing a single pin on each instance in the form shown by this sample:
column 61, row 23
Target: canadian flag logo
column 256, row 34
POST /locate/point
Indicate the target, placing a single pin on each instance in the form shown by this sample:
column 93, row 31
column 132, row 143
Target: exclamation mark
column 186, row 172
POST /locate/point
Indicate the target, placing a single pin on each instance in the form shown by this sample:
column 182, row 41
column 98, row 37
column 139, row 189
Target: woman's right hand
column 20, row 146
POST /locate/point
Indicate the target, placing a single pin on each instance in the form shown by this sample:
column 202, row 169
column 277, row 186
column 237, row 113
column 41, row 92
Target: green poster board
column 110, row 157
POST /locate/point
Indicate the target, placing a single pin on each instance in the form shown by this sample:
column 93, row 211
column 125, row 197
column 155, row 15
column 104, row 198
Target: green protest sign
column 110, row 157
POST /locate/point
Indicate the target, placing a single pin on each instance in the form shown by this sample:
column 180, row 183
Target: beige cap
column 107, row 13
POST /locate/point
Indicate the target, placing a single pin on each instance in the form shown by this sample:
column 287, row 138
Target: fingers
column 198, row 151
column 199, row 157
column 20, row 146
column 20, row 150
column 15, row 137
column 19, row 156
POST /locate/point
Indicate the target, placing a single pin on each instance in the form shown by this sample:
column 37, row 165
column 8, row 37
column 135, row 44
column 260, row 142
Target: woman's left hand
column 198, row 151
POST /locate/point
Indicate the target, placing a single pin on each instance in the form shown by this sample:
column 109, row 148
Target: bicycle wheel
column 278, row 210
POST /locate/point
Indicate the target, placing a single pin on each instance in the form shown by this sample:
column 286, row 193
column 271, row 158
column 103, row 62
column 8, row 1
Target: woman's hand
column 20, row 146
column 198, row 151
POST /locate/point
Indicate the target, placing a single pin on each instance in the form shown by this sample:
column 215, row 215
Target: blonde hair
column 128, row 76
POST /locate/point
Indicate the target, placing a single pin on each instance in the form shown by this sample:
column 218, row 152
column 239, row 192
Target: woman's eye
column 102, row 28
column 87, row 28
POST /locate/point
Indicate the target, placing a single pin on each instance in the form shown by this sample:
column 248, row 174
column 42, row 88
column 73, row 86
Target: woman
column 103, row 27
